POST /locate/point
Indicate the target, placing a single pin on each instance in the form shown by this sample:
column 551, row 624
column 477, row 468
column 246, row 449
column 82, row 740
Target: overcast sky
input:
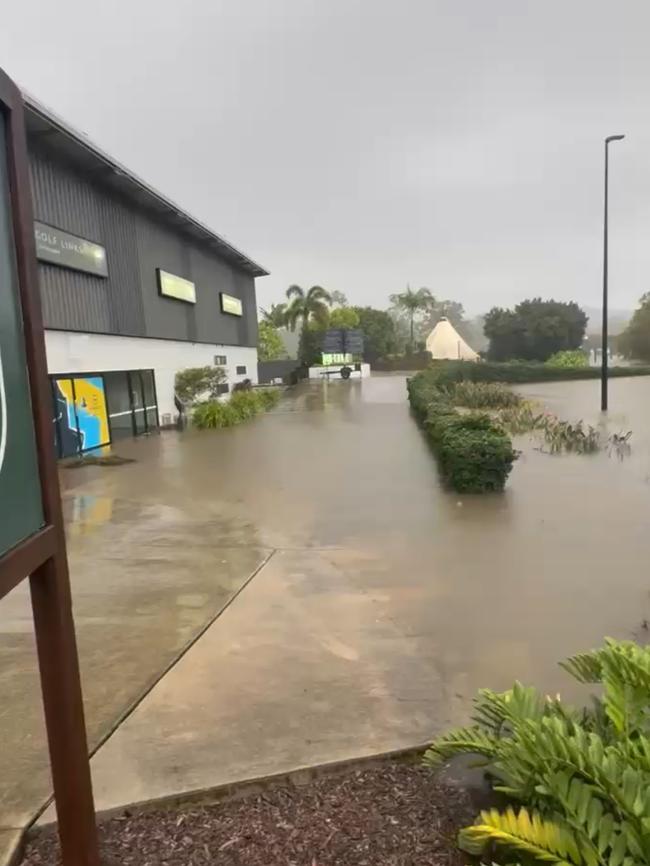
column 364, row 144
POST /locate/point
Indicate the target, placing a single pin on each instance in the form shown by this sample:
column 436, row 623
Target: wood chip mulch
column 390, row 815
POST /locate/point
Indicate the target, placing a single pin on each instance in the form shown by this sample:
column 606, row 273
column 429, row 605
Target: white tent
column 444, row 342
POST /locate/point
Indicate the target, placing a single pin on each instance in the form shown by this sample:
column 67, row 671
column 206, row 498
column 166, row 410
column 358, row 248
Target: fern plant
column 581, row 778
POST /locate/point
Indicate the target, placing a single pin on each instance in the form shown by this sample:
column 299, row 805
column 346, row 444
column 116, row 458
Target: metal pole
column 603, row 360
column 603, row 369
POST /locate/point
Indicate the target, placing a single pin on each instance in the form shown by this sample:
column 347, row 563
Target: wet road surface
column 384, row 603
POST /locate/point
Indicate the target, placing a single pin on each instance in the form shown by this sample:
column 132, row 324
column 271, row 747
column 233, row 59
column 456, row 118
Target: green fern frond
column 528, row 833
column 490, row 711
column 628, row 662
column 584, row 667
column 494, row 710
column 459, row 741
column 584, row 810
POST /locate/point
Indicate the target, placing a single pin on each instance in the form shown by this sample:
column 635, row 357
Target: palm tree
column 312, row 304
column 412, row 302
column 276, row 315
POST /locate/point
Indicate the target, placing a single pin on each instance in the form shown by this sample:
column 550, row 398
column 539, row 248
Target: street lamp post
column 603, row 369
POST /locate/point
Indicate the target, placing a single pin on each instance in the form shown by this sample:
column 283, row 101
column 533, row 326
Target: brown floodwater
column 481, row 590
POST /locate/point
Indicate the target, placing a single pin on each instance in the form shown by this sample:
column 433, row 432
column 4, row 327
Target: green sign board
column 68, row 251
column 171, row 286
column 21, row 511
column 231, row 305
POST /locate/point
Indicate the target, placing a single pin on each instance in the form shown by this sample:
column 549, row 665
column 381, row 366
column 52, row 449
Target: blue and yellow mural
column 80, row 414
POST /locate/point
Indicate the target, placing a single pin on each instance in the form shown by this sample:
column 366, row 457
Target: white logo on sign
column 3, row 416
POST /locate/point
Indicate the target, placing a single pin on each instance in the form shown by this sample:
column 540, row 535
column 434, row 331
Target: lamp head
column 614, row 138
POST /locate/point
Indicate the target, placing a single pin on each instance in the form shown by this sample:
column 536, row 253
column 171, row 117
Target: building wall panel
column 137, row 242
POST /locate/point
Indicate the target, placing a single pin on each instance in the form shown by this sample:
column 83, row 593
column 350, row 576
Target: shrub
column 196, row 382
column 241, row 406
column 214, row 414
column 474, row 453
column 568, row 358
column 581, row 780
column 244, row 404
column 268, row 397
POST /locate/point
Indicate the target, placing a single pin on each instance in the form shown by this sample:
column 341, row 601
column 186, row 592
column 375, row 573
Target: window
column 223, row 388
column 241, row 370
column 220, row 360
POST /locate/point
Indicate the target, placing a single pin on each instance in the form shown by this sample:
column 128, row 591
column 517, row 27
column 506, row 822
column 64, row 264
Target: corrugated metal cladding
column 136, row 243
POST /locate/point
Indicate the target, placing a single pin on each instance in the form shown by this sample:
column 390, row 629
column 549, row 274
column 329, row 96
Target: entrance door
column 138, row 402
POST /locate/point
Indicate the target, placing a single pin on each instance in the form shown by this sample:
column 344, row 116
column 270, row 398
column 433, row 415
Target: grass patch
column 483, row 395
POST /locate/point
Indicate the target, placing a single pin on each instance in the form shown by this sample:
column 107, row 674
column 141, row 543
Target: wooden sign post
column 32, row 540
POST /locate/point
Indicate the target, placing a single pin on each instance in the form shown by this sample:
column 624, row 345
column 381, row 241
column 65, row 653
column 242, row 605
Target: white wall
column 69, row 352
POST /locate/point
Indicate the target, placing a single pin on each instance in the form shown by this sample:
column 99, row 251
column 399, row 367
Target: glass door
column 137, row 402
column 150, row 402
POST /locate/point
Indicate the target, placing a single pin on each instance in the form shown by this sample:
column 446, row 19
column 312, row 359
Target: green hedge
column 240, row 407
column 474, row 454
column 490, row 371
column 398, row 363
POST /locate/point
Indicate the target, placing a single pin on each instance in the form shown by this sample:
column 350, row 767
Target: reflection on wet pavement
column 147, row 576
column 386, row 603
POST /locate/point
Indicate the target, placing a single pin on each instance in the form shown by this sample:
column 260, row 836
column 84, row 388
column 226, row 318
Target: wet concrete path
column 383, row 604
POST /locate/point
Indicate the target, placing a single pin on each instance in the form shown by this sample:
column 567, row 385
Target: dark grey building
column 133, row 290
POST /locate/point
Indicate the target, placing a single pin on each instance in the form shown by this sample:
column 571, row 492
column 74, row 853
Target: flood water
column 474, row 590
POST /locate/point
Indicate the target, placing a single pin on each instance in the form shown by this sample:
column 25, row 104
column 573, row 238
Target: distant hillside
column 618, row 320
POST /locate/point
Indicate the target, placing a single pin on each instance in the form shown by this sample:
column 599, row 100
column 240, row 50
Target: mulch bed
column 389, row 815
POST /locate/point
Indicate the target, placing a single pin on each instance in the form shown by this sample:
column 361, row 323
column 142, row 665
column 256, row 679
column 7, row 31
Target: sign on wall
column 21, row 510
column 231, row 305
column 69, row 251
column 171, row 286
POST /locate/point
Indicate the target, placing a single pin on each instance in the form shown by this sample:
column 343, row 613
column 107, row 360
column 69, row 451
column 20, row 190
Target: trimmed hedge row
column 474, row 454
column 446, row 372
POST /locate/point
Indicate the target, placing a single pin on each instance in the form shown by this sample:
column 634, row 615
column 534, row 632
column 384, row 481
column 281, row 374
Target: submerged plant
column 619, row 445
column 563, row 436
column 580, row 779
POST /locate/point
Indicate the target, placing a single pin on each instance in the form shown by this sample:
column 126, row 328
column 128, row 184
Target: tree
column 338, row 299
column 379, row 338
column 276, row 315
column 195, row 382
column 412, row 302
column 634, row 342
column 534, row 330
column 437, row 310
column 270, row 346
column 344, row 317
column 310, row 347
column 306, row 306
